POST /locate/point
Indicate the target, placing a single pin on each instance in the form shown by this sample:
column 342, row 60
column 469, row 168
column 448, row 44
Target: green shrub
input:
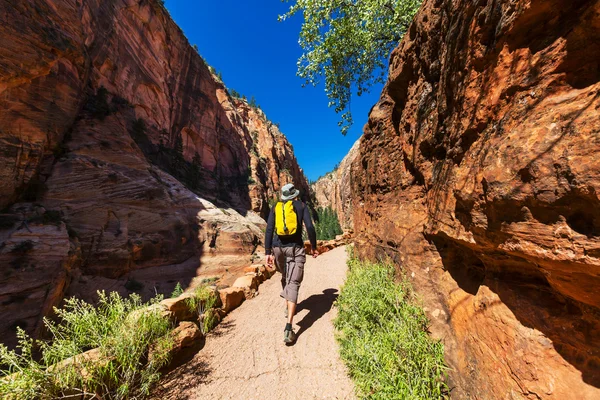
column 72, row 232
column 35, row 190
column 119, row 102
column 97, row 104
column 133, row 285
column 203, row 303
column 60, row 150
column 138, row 130
column 272, row 202
column 23, row 247
column 117, row 327
column 194, row 174
column 382, row 332
column 177, row 291
column 49, row 217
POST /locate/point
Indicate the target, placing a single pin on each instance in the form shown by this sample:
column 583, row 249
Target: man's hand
column 315, row 254
column 270, row 260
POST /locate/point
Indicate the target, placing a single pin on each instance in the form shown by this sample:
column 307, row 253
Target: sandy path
column 245, row 357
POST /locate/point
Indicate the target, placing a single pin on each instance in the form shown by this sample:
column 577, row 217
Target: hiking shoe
column 289, row 337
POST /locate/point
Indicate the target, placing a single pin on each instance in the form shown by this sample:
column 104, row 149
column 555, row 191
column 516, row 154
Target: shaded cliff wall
column 124, row 163
column 334, row 189
column 479, row 175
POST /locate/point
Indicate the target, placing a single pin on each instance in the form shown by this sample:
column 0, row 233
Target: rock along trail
column 245, row 357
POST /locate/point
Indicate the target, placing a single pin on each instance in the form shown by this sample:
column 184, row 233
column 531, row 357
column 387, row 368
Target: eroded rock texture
column 124, row 163
column 479, row 175
column 272, row 159
column 334, row 189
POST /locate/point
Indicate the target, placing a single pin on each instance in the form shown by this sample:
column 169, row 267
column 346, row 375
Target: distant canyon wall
column 478, row 174
column 334, row 189
column 125, row 164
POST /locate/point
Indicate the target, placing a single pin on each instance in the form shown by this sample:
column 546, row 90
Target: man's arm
column 269, row 232
column 310, row 229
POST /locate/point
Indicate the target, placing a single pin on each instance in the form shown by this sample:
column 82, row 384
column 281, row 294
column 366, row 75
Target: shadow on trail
column 186, row 371
column 222, row 329
column 317, row 306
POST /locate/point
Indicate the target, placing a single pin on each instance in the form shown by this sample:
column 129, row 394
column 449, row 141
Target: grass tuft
column 123, row 330
column 382, row 332
column 202, row 303
column 177, row 291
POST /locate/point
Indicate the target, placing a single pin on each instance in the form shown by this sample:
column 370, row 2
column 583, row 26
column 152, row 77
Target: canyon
column 125, row 163
column 478, row 175
column 334, row 189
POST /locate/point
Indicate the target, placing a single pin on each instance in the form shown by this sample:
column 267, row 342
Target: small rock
column 251, row 269
column 249, row 283
column 185, row 334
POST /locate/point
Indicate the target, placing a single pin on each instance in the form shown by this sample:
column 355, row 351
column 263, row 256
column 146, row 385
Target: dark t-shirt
column 273, row 240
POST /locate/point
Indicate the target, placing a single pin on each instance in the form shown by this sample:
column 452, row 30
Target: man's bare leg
column 291, row 311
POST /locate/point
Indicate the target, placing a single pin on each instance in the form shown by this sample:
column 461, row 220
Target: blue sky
column 257, row 56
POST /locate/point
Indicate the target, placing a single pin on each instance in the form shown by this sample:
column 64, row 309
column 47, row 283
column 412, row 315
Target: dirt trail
column 245, row 357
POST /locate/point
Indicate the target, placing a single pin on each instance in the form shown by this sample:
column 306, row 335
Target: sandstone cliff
column 272, row 160
column 479, row 175
column 334, row 189
column 124, row 163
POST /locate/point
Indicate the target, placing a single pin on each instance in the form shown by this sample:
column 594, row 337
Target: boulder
column 185, row 335
column 231, row 298
column 249, row 283
column 179, row 307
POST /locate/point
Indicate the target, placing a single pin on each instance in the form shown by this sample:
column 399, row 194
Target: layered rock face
column 334, row 189
column 479, row 175
column 272, row 159
column 125, row 165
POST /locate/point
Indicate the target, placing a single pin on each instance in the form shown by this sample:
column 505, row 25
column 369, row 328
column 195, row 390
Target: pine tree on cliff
column 348, row 44
column 194, row 175
column 327, row 224
column 179, row 161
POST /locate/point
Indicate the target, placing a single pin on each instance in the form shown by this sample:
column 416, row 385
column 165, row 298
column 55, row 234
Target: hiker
column 284, row 247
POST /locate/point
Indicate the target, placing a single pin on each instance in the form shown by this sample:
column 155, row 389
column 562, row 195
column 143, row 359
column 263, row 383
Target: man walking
column 284, row 247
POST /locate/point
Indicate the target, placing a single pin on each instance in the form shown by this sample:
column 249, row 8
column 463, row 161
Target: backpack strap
column 285, row 228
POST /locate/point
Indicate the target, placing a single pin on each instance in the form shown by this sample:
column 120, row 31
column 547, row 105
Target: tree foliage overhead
column 347, row 42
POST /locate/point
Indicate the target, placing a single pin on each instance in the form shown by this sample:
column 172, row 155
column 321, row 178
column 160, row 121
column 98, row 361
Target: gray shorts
column 290, row 262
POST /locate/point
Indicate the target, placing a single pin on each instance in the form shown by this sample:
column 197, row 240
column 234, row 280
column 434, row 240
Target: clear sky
column 257, row 56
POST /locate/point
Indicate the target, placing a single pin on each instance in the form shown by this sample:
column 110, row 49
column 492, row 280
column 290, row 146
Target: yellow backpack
column 286, row 219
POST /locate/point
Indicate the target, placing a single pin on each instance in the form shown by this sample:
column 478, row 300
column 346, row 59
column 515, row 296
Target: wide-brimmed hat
column 288, row 192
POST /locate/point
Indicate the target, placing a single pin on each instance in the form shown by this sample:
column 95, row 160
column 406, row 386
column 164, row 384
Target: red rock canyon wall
column 479, row 175
column 124, row 163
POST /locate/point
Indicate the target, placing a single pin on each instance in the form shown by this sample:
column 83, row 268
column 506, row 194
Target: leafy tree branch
column 346, row 43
